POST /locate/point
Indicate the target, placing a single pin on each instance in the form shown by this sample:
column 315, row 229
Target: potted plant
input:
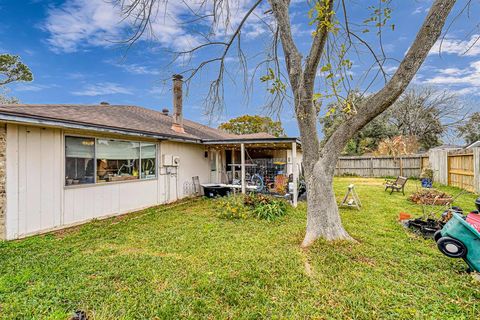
column 427, row 177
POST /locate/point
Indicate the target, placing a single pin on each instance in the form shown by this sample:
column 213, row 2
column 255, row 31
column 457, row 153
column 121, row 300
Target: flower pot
column 426, row 183
column 404, row 216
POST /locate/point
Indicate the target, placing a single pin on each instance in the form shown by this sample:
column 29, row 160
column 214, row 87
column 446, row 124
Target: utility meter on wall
column 176, row 161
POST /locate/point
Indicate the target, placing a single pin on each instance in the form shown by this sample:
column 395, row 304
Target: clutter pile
column 431, row 197
column 457, row 235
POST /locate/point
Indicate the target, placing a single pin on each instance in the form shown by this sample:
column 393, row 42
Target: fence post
column 401, row 166
column 371, row 167
column 476, row 169
column 439, row 163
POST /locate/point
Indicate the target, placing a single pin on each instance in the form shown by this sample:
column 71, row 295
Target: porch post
column 242, row 151
column 233, row 164
column 295, row 174
column 218, row 166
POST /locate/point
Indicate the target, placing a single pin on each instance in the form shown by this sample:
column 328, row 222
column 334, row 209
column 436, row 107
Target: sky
column 75, row 51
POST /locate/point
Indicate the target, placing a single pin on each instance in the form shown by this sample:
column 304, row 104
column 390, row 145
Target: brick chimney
column 177, row 125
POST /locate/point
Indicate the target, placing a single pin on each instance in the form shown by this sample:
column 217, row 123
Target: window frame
column 96, row 138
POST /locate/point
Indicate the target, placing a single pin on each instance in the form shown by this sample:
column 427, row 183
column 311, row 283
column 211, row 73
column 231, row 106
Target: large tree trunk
column 323, row 218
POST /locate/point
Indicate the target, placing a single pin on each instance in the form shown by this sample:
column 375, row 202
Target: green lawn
column 184, row 262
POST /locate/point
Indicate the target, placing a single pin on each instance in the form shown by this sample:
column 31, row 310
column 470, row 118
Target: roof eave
column 83, row 126
column 251, row 140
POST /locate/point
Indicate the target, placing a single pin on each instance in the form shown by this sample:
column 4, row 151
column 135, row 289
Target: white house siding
column 97, row 201
column 38, row 201
column 192, row 163
column 34, row 180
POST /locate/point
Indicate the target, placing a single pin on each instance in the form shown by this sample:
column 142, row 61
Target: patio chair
column 397, row 185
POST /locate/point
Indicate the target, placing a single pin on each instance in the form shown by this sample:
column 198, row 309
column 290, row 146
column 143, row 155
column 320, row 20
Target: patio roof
column 264, row 143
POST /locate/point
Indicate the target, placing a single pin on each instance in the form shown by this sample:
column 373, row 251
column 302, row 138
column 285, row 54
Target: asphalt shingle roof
column 120, row 117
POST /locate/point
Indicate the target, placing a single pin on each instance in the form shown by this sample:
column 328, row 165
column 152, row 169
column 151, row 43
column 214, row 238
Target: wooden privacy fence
column 382, row 166
column 460, row 170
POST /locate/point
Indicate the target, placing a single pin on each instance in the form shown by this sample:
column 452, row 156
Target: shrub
column 258, row 206
column 232, row 207
column 270, row 211
column 427, row 173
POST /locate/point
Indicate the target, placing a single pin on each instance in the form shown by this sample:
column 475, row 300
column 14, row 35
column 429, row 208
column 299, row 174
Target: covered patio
column 267, row 165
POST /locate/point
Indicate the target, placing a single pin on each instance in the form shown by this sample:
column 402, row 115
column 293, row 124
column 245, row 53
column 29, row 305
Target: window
column 108, row 160
column 117, row 160
column 148, row 152
column 79, row 160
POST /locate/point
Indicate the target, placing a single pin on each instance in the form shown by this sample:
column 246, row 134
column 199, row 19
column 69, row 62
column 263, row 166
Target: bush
column 232, row 207
column 270, row 211
column 253, row 205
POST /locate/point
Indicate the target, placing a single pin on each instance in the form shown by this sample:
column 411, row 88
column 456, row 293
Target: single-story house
column 63, row 165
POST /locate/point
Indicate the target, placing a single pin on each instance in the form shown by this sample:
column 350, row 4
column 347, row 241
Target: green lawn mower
column 460, row 238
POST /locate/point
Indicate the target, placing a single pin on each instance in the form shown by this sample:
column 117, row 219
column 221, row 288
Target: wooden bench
column 397, row 185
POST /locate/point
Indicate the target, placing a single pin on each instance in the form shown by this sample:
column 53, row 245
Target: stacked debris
column 425, row 227
column 431, row 197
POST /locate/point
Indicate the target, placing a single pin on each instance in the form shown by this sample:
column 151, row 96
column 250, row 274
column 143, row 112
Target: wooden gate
column 460, row 171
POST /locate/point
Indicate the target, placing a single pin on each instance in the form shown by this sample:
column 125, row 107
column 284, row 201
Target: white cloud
column 134, row 68
column 79, row 24
column 102, row 88
column 300, row 30
column 418, row 10
column 76, row 75
column 33, row 87
column 462, row 81
column 468, row 48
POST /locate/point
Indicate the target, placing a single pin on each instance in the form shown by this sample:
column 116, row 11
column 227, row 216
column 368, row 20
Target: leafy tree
column 12, row 69
column 397, row 146
column 331, row 41
column 470, row 131
column 365, row 140
column 248, row 124
column 4, row 99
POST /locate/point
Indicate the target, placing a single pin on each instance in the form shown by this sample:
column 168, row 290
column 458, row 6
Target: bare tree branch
column 380, row 101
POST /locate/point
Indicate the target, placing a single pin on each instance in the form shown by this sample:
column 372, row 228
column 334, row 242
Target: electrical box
column 176, row 161
column 167, row 160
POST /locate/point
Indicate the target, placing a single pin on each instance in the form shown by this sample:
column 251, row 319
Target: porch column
column 242, row 152
column 218, row 167
column 233, row 164
column 295, row 174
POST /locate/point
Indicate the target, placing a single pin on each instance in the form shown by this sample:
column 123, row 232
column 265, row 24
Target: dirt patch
column 308, row 268
column 366, row 260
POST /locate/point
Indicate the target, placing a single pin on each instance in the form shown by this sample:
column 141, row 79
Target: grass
column 184, row 262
